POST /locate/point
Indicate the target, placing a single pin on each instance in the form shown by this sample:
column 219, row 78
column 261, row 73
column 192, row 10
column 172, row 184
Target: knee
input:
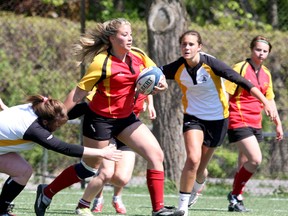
column 159, row 156
column 120, row 180
column 106, row 174
column 256, row 162
column 156, row 156
column 192, row 163
column 29, row 171
column 202, row 175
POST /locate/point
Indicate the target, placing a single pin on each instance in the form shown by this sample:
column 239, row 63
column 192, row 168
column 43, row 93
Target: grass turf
column 138, row 203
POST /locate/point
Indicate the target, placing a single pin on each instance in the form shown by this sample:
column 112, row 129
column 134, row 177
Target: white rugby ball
column 148, row 79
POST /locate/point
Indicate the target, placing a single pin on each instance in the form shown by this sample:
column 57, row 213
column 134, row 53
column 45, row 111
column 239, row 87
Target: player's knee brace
column 84, row 171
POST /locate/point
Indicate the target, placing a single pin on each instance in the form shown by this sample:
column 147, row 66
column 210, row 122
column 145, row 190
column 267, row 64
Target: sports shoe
column 235, row 204
column 83, row 212
column 7, row 214
column 119, row 206
column 11, row 207
column 42, row 202
column 97, row 206
column 9, row 210
column 193, row 198
column 168, row 212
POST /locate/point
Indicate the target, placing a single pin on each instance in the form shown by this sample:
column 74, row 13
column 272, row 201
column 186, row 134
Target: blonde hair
column 97, row 40
column 48, row 109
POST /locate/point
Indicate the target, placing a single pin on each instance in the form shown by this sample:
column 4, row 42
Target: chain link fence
column 35, row 51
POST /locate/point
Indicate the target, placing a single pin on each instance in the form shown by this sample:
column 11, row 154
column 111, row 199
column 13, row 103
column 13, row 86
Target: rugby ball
column 148, row 79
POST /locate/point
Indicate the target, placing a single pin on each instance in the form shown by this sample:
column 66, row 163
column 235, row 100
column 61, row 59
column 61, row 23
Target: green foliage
column 223, row 163
column 230, row 14
column 170, row 186
column 32, row 56
column 56, row 3
column 132, row 10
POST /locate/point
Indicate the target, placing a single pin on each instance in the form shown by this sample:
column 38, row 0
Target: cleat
column 119, row 206
column 235, row 204
column 170, row 207
column 42, row 202
column 10, row 207
column 9, row 210
column 193, row 198
column 7, row 214
column 195, row 194
column 168, row 212
column 97, row 205
column 83, row 212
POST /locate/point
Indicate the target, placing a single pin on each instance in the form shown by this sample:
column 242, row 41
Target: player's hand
column 152, row 112
column 162, row 85
column 111, row 153
column 270, row 111
column 279, row 132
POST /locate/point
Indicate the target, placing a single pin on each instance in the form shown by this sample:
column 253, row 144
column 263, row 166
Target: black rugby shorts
column 214, row 130
column 237, row 134
column 102, row 128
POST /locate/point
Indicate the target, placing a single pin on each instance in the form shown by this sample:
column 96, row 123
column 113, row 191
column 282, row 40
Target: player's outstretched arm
column 109, row 152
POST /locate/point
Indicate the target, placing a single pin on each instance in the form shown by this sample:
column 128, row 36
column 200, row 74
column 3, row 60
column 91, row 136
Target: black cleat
column 235, row 204
column 42, row 202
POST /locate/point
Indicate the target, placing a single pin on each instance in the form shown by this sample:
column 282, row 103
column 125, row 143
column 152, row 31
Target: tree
column 273, row 13
column 166, row 20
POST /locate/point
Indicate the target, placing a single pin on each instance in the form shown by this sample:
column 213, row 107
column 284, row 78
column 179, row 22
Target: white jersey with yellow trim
column 202, row 86
column 20, row 129
column 14, row 122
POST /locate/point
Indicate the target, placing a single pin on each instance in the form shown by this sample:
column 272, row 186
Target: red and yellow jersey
column 115, row 82
column 245, row 109
column 138, row 106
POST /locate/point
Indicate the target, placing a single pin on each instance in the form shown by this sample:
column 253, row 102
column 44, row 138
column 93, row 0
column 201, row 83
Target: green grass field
column 137, row 202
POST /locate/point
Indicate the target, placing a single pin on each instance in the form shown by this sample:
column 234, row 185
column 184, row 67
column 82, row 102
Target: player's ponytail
column 95, row 41
column 48, row 109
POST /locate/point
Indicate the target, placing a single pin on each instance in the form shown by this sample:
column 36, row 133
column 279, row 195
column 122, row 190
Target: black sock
column 10, row 191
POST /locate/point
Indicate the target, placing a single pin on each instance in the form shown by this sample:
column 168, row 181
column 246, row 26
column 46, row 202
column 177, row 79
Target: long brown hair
column 48, row 109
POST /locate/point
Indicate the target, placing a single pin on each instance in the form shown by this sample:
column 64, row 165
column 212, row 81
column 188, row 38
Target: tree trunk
column 119, row 5
column 166, row 21
column 273, row 13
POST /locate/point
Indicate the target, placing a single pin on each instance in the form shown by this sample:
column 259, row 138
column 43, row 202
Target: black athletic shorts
column 237, row 134
column 214, row 130
column 102, row 128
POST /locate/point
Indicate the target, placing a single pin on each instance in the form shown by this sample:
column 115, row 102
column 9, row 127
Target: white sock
column 116, row 198
column 198, row 187
column 99, row 199
column 183, row 201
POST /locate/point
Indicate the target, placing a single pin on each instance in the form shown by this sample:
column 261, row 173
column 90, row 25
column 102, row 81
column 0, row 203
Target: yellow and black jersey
column 203, row 88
